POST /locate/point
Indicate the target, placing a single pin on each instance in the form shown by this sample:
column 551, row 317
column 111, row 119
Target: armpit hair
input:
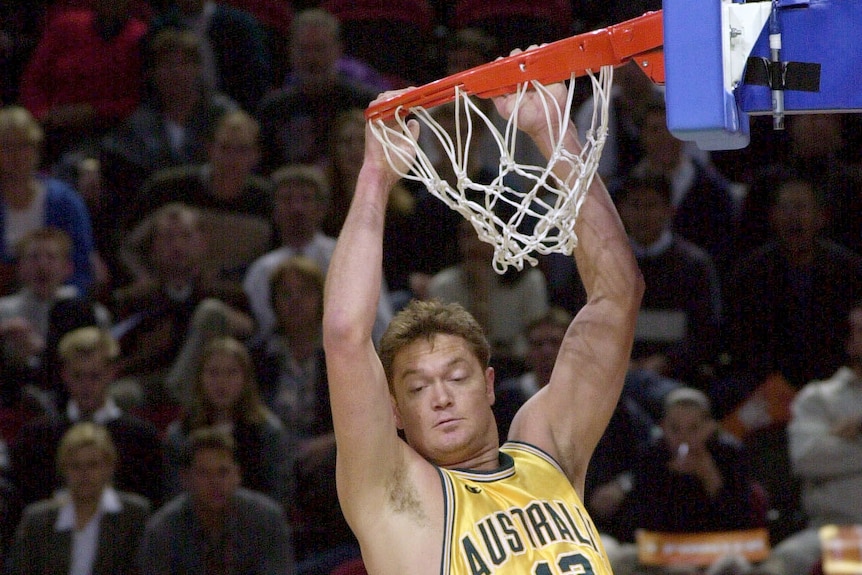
column 402, row 496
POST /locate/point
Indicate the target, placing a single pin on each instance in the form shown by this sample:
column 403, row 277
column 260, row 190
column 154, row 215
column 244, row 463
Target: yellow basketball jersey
column 524, row 518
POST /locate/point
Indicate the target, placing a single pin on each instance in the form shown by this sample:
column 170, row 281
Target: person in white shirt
column 302, row 197
column 89, row 528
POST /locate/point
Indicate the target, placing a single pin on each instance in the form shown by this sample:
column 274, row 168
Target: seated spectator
column 215, row 523
column 825, row 442
column 235, row 56
column 347, row 146
column 274, row 16
column 167, row 315
column 292, row 372
column 225, row 396
column 503, row 304
column 788, row 300
column 235, row 202
column 677, row 334
column 89, row 527
column 704, row 206
column 302, row 196
column 31, row 201
column 87, row 356
column 34, row 318
column 824, row 160
column 295, row 120
column 173, row 125
column 692, row 478
column 85, row 75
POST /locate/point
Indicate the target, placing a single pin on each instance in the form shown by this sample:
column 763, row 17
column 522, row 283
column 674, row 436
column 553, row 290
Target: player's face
column 443, row 399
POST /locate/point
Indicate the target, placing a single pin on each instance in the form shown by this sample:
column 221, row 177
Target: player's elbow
column 342, row 330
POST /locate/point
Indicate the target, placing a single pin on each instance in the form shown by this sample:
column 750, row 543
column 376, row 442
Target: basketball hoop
column 538, row 217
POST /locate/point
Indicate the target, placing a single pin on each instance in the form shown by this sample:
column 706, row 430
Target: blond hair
column 18, row 121
column 85, row 434
column 87, row 340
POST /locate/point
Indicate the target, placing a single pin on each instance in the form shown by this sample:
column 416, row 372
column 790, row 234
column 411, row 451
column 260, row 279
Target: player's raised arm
column 365, row 431
column 569, row 415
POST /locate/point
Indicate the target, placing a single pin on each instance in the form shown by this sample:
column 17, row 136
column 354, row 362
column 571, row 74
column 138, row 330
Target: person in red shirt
column 85, row 75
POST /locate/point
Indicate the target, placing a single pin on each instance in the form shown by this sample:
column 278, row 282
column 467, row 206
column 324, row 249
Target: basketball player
column 450, row 500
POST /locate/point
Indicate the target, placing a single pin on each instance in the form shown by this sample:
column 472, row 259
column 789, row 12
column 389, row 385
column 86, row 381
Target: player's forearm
column 606, row 263
column 355, row 272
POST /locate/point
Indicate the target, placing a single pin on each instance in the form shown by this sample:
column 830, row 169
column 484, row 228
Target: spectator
column 787, row 307
column 225, row 395
column 174, row 124
column 631, row 94
column 302, row 196
column 34, row 318
column 225, row 181
column 215, row 524
column 705, row 208
column 89, row 528
column 274, row 17
column 295, row 120
column 235, row 202
column 85, row 75
column 821, row 160
column 692, row 478
column 235, row 57
column 87, row 356
column 503, row 304
column 32, row 201
column 788, row 300
column 293, row 376
column 825, row 440
column 677, row 335
column 167, row 316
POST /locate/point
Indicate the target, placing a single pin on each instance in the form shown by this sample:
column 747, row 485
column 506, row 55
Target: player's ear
column 489, row 384
column 396, row 412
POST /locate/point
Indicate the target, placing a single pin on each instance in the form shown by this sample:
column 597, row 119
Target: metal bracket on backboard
column 741, row 26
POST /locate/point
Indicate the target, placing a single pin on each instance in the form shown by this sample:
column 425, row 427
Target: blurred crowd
column 173, row 178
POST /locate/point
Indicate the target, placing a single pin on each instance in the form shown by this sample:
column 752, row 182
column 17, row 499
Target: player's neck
column 488, row 459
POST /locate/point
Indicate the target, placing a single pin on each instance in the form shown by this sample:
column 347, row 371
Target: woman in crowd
column 226, row 396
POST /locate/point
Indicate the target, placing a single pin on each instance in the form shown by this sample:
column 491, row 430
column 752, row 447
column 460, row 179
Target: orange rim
column 640, row 39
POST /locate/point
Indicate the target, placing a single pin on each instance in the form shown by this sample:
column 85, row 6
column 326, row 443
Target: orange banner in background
column 701, row 549
column 842, row 549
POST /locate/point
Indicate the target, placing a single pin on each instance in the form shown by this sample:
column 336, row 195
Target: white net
column 524, row 208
